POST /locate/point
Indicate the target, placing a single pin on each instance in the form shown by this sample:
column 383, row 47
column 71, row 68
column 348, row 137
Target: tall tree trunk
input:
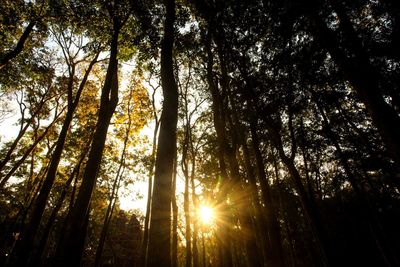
column 116, row 185
column 186, row 204
column 195, row 250
column 309, row 206
column 185, row 171
column 143, row 248
column 250, row 187
column 223, row 238
column 174, row 250
column 39, row 250
column 252, row 255
column 24, row 247
column 69, row 250
column 159, row 252
column 109, row 214
column 113, row 198
column 274, row 244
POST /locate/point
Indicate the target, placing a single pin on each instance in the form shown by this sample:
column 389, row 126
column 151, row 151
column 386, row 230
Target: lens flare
column 206, row 215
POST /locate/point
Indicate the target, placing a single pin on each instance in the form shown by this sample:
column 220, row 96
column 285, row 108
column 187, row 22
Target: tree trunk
column 69, row 250
column 108, row 216
column 112, row 200
column 24, row 247
column 309, row 206
column 36, row 258
column 195, row 225
column 186, row 204
column 143, row 248
column 174, row 251
column 159, row 252
column 223, row 238
column 243, row 202
column 274, row 251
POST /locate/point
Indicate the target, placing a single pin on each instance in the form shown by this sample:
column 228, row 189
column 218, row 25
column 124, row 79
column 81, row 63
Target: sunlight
column 206, row 214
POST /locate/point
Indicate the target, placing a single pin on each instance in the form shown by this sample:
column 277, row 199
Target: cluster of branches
column 281, row 115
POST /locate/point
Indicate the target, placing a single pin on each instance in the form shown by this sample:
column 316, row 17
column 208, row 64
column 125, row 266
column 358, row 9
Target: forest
column 199, row 133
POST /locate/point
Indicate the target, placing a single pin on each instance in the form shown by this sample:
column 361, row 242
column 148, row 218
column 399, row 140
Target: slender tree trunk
column 174, row 251
column 39, row 250
column 22, row 215
column 223, row 238
column 304, row 155
column 159, row 252
column 195, row 222
column 145, row 241
column 252, row 255
column 112, row 200
column 261, row 226
column 250, row 187
column 309, row 206
column 69, row 250
column 185, row 170
column 109, row 214
column 186, row 206
column 116, row 185
column 36, row 259
column 143, row 248
column 274, row 251
column 24, row 247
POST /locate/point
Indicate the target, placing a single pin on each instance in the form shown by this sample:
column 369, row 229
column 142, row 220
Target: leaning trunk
column 69, row 250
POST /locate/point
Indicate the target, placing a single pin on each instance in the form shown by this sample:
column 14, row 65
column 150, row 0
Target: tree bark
column 37, row 256
column 143, row 248
column 69, row 250
column 223, row 238
column 274, row 251
column 24, row 247
column 159, row 252
column 174, row 251
column 195, row 250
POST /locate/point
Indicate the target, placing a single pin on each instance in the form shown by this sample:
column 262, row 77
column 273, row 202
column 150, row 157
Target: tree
column 69, row 251
column 160, row 222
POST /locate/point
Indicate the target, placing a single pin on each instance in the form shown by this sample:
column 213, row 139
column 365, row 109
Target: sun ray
column 206, row 215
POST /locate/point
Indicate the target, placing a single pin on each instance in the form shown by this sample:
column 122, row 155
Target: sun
column 206, row 214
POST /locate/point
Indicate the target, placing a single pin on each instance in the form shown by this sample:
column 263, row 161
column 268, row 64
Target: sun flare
column 206, row 214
